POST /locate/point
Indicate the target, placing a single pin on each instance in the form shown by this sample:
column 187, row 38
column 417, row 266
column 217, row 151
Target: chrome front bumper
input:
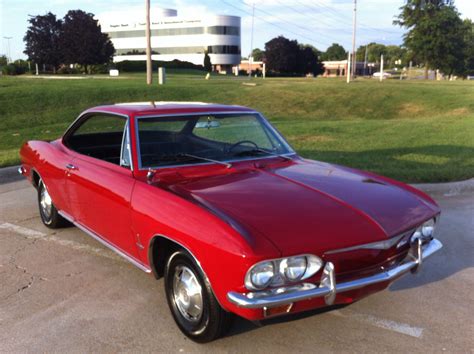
column 328, row 287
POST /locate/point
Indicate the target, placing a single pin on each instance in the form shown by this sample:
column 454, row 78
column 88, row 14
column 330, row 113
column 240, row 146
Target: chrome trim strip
column 265, row 121
column 379, row 245
column 105, row 243
column 308, row 291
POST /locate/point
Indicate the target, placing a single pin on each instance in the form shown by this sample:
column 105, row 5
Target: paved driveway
column 63, row 291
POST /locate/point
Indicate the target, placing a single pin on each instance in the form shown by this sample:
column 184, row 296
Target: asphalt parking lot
column 63, row 291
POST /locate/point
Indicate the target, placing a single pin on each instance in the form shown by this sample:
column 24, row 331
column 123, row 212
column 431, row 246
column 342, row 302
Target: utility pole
column 149, row 67
column 381, row 67
column 365, row 59
column 354, row 57
column 251, row 42
column 9, row 58
column 348, row 69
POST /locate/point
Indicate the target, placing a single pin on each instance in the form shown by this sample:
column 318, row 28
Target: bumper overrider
column 328, row 288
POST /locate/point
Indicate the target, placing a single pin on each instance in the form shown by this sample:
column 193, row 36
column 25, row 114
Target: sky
column 316, row 22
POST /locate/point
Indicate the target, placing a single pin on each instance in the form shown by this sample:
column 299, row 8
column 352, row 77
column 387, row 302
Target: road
column 63, row 291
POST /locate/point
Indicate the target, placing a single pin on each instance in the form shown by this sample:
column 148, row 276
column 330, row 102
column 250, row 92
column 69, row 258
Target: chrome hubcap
column 187, row 293
column 45, row 202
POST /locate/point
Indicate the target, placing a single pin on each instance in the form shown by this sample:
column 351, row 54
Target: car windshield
column 193, row 139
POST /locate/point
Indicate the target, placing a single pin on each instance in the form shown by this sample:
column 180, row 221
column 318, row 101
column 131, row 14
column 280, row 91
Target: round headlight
column 427, row 229
column 293, row 268
column 261, row 275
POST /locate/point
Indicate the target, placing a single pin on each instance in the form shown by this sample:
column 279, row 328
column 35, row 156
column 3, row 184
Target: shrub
column 16, row 68
column 66, row 70
column 140, row 65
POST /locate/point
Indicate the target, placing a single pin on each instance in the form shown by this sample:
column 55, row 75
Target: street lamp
column 9, row 58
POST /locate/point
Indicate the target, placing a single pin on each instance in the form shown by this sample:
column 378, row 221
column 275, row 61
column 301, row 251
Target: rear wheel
column 48, row 212
column 191, row 300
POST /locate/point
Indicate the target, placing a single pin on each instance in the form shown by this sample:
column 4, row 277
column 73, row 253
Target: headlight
column 425, row 231
column 278, row 272
column 293, row 268
column 261, row 275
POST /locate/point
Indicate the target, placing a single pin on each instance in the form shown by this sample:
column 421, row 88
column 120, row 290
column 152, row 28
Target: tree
column 391, row 53
column 334, row 52
column 207, row 62
column 42, row 40
column 83, row 42
column 469, row 50
column 281, row 55
column 435, row 34
column 258, row 54
column 288, row 57
column 308, row 61
column 3, row 60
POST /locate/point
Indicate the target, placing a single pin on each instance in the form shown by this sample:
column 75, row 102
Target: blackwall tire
column 48, row 212
column 191, row 300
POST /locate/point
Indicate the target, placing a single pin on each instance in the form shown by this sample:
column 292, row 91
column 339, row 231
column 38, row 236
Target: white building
column 173, row 37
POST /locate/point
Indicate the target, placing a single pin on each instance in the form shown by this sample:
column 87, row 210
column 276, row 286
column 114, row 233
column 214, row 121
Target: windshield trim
column 267, row 124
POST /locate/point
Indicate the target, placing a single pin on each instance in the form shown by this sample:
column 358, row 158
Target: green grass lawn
column 414, row 131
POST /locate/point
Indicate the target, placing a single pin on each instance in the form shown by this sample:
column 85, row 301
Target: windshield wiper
column 254, row 150
column 228, row 165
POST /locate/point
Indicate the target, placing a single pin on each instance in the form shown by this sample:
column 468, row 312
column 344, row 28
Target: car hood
column 306, row 205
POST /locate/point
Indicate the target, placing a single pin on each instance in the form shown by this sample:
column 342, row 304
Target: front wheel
column 191, row 300
column 48, row 212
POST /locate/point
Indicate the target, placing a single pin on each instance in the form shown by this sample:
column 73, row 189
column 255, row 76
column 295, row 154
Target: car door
column 100, row 179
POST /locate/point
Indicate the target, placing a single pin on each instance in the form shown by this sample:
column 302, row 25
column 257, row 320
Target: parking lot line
column 33, row 234
column 22, row 230
column 390, row 325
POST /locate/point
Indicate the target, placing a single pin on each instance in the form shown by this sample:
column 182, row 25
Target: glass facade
column 220, row 30
column 215, row 49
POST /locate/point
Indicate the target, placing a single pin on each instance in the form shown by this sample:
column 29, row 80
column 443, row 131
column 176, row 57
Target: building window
column 223, row 49
column 224, row 30
column 185, row 31
column 215, row 49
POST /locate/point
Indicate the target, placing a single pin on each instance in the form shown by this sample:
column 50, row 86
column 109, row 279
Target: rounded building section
column 177, row 38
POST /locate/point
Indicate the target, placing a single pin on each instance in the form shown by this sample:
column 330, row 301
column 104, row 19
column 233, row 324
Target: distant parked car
column 213, row 199
column 470, row 77
column 385, row 75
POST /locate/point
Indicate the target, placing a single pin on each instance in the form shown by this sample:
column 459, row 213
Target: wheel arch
column 35, row 178
column 160, row 248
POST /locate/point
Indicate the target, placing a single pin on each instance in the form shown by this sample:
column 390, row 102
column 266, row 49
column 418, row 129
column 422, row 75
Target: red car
column 213, row 199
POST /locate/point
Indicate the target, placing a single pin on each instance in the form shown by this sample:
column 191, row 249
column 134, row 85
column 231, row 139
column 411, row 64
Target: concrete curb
column 10, row 174
column 447, row 189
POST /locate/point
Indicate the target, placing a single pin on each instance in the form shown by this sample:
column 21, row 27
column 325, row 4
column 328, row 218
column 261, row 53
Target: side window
column 125, row 156
column 103, row 137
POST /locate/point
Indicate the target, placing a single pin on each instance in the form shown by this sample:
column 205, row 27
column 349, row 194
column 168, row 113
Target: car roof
column 167, row 108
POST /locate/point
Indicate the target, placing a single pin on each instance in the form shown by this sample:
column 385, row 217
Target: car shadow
column 242, row 325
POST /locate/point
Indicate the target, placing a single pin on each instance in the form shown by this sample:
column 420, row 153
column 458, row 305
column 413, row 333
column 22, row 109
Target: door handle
column 70, row 166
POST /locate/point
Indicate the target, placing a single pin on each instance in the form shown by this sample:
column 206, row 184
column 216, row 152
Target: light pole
column 354, row 20
column 251, row 42
column 149, row 67
column 9, row 58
